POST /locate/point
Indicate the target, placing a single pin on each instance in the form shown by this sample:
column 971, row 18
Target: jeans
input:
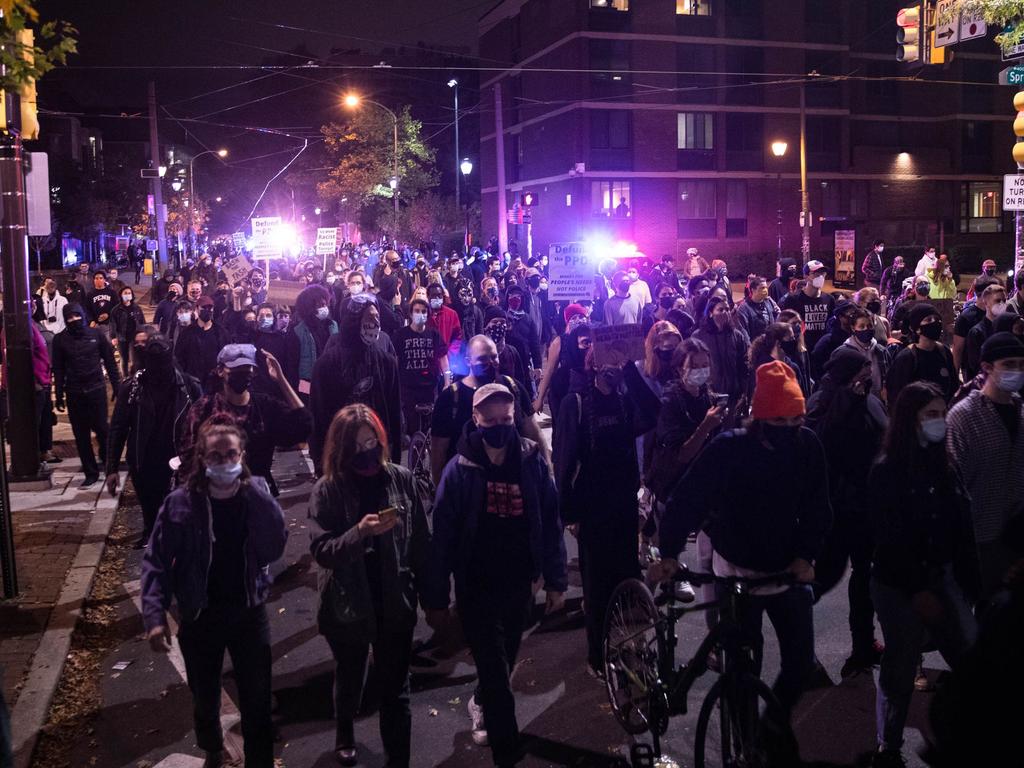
column 905, row 635
column 245, row 634
column 87, row 412
column 152, row 484
column 608, row 556
column 493, row 622
column 790, row 613
column 392, row 652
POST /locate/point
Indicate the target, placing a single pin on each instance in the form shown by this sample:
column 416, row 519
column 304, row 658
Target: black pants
column 87, row 412
column 850, row 540
column 152, row 484
column 608, row 556
column 245, row 634
column 124, row 353
column 493, row 618
column 44, row 419
column 392, row 651
column 410, row 399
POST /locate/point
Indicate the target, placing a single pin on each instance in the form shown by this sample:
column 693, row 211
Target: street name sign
column 1016, row 51
column 1013, row 192
column 1012, row 75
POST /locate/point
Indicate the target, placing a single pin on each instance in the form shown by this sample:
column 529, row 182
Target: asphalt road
column 146, row 714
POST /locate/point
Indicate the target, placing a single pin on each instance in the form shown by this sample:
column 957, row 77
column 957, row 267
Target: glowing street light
column 466, row 166
column 221, row 153
column 219, row 198
column 351, row 100
column 176, row 185
column 779, row 150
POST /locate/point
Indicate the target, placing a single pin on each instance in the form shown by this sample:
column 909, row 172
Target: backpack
column 507, row 381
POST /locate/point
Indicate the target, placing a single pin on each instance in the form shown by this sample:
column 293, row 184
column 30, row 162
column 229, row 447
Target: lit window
column 693, row 7
column 697, row 210
column 615, row 5
column 612, row 199
column 696, row 130
column 981, row 207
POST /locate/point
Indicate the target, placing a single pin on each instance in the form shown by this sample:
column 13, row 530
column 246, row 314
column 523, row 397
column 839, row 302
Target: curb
column 33, row 704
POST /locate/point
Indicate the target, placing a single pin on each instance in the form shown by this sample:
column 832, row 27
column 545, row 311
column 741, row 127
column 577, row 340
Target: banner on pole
column 264, row 244
column 570, row 273
column 326, row 241
column 236, row 268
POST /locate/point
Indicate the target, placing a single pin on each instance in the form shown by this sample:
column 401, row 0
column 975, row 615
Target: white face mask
column 185, row 318
column 322, row 313
column 355, row 289
column 697, row 377
column 127, row 298
column 369, row 335
column 1010, row 381
column 419, row 318
column 933, row 430
column 998, row 309
column 818, row 282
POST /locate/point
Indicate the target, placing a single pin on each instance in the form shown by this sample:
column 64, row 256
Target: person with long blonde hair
column 370, row 540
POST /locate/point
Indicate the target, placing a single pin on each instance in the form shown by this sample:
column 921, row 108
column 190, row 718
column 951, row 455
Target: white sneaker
column 684, row 592
column 476, row 715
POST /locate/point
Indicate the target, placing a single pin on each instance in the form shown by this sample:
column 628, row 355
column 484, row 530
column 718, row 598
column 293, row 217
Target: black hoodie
column 79, row 355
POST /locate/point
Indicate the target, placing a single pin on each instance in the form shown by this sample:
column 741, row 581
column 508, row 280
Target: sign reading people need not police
column 570, row 273
column 1013, row 192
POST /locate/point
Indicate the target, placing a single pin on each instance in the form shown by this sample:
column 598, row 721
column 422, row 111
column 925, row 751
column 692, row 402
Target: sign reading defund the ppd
column 570, row 273
column 1013, row 192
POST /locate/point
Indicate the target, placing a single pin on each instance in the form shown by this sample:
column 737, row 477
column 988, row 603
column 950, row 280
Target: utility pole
column 157, row 183
column 805, row 214
column 499, row 146
column 458, row 161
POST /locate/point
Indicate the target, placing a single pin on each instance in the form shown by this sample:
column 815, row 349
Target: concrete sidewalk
column 59, row 536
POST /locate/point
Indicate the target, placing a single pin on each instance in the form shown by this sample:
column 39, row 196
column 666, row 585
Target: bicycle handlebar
column 784, row 578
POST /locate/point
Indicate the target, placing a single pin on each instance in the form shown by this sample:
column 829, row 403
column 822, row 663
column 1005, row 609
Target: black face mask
column 159, row 368
column 533, row 282
column 612, row 379
column 667, row 302
column 781, row 438
column 498, row 435
column 874, row 307
column 931, row 331
column 75, row 327
column 923, row 290
column 251, row 325
column 367, row 462
column 206, row 314
column 790, row 348
column 664, row 355
column 865, row 336
column 988, row 271
column 485, row 373
column 496, row 333
column 240, row 381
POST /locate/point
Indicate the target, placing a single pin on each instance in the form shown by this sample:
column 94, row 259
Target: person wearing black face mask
column 597, row 471
column 80, row 355
column 927, row 359
column 622, row 308
column 369, row 534
column 268, row 422
column 149, row 417
column 453, row 410
column 780, row 532
column 664, row 300
column 509, row 361
column 497, row 530
column 565, row 354
column 197, row 346
column 850, row 421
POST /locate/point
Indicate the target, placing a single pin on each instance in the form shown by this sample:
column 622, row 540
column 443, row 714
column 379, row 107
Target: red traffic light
column 530, row 199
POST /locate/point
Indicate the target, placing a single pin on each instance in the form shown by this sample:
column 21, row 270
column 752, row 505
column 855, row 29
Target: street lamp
column 454, row 85
column 467, row 168
column 176, row 185
column 779, row 150
column 221, row 153
column 353, row 101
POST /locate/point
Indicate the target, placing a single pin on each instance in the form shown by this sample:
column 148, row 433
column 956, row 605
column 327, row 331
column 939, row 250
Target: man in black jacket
column 79, row 355
column 780, row 532
column 198, row 345
column 164, row 317
column 149, row 416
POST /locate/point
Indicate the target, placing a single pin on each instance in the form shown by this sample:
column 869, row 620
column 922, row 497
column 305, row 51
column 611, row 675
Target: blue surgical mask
column 266, row 323
column 1010, row 381
column 436, row 303
column 225, row 474
column 934, row 430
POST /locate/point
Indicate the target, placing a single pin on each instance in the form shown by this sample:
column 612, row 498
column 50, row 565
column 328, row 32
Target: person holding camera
column 370, row 540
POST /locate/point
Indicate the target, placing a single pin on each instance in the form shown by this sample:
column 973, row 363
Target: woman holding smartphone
column 370, row 539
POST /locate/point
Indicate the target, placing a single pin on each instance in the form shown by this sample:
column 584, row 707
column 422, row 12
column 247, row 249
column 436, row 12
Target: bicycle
column 645, row 689
column 418, row 458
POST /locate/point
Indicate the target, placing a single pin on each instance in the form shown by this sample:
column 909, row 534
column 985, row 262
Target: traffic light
column 27, row 91
column 908, row 34
column 531, row 199
column 1018, row 129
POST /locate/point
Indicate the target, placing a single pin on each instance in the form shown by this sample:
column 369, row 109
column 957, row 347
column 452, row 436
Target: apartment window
column 744, row 132
column 696, row 209
column 614, row 5
column 610, row 129
column 736, row 209
column 693, row 7
column 609, row 60
column 858, row 199
column 612, row 199
column 831, row 199
column 746, row 85
column 981, row 208
column 696, row 130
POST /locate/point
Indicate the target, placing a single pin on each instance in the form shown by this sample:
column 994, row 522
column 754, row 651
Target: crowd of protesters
column 796, row 429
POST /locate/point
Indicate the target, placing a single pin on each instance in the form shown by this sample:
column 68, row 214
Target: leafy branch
column 1000, row 13
column 24, row 56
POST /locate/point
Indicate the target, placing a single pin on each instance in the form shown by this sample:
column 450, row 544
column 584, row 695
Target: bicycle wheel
column 417, row 449
column 631, row 653
column 751, row 732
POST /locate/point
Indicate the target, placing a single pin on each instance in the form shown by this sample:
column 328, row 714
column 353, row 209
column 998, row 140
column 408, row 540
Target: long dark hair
column 340, row 445
column 211, row 429
column 902, row 443
column 709, row 321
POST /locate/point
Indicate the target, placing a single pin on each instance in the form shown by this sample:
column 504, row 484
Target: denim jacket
column 177, row 561
column 346, row 606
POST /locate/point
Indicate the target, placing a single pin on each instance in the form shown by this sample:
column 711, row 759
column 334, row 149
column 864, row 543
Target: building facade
column 652, row 122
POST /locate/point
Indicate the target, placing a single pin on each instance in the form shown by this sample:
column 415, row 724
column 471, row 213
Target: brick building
column 651, row 121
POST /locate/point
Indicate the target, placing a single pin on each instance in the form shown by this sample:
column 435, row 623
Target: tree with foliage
column 25, row 60
column 429, row 216
column 361, row 156
column 998, row 13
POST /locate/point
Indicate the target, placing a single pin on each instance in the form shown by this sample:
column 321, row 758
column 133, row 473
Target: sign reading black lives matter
column 617, row 344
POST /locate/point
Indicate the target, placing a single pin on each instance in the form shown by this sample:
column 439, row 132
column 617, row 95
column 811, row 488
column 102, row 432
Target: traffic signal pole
column 805, row 214
column 499, row 146
column 158, row 195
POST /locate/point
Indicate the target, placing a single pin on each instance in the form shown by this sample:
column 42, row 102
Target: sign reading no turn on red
column 1013, row 192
